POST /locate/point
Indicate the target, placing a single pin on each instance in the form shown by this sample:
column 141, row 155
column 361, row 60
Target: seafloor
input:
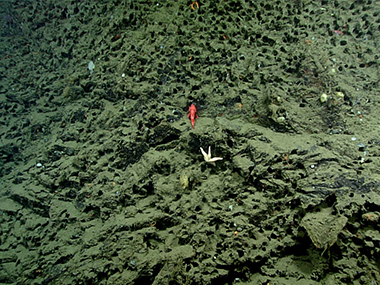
column 102, row 178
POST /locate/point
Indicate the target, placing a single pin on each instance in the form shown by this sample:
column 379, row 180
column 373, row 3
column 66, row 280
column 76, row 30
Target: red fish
column 337, row 32
column 192, row 114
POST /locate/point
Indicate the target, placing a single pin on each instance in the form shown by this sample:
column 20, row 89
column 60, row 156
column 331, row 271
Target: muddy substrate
column 102, row 178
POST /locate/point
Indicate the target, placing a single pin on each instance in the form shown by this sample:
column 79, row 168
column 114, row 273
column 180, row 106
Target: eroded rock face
column 323, row 227
column 102, row 177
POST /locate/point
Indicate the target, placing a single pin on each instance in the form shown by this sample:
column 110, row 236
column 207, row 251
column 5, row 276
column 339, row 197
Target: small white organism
column 91, row 66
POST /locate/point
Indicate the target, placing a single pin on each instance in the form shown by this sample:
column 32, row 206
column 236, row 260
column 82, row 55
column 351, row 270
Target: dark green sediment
column 102, row 178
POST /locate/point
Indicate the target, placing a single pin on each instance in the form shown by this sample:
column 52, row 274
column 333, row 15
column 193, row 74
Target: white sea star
column 208, row 157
